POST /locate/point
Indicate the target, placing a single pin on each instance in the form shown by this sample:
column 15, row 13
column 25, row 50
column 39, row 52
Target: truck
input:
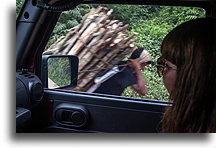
column 40, row 109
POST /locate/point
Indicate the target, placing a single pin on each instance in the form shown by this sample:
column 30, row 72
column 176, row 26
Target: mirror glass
column 59, row 72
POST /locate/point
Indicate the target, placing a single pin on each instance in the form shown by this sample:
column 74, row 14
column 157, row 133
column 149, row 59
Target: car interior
column 42, row 109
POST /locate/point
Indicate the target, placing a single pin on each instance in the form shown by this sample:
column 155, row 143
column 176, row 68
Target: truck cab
column 42, row 109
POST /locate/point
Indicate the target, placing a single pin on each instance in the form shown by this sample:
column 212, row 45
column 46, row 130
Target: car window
column 19, row 4
column 105, row 36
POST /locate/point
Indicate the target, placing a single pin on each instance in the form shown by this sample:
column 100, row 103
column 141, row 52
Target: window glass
column 58, row 72
column 19, row 4
column 107, row 36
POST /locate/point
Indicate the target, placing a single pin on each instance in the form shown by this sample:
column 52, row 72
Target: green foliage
column 150, row 33
column 67, row 20
column 155, row 87
column 59, row 71
column 151, row 23
column 19, row 4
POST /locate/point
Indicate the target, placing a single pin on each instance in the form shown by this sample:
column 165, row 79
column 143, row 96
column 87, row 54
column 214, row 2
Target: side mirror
column 59, row 71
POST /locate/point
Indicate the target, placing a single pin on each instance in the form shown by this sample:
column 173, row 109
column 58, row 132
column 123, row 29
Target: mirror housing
column 59, row 71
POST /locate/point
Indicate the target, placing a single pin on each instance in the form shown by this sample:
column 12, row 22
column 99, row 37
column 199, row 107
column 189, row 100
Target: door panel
column 105, row 113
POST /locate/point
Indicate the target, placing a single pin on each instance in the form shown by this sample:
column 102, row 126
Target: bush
column 151, row 23
column 59, row 71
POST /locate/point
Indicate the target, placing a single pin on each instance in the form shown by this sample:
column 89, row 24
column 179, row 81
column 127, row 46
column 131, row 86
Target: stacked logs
column 99, row 42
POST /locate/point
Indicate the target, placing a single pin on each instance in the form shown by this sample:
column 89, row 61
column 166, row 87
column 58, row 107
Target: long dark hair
column 191, row 47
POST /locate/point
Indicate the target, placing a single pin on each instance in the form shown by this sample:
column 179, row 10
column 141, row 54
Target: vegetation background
column 59, row 71
column 151, row 23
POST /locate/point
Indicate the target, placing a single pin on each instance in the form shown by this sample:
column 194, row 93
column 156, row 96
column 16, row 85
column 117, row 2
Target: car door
column 61, row 110
column 83, row 112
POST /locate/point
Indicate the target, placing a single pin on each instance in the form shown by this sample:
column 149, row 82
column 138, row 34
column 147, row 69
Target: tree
column 19, row 4
column 151, row 23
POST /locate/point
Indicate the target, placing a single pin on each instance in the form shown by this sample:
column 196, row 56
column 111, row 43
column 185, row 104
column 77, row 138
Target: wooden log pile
column 99, row 42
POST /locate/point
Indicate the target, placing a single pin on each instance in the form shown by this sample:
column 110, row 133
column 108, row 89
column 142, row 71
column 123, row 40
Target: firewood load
column 99, row 42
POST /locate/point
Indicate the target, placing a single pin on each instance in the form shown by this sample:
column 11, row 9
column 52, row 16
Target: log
column 99, row 42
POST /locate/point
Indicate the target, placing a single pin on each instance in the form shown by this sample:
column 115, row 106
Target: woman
column 188, row 67
column 128, row 73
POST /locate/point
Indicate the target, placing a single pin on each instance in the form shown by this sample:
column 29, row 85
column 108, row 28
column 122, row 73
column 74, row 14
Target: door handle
column 71, row 115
